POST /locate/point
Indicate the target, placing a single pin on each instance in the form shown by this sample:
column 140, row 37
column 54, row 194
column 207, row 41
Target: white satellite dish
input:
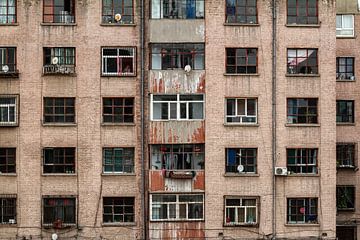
column 187, row 68
column 240, row 168
column 117, row 17
column 55, row 60
column 54, row 236
column 5, row 68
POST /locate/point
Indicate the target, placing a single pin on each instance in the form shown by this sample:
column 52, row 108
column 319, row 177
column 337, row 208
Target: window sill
column 346, row 37
column 177, row 120
column 118, row 24
column 243, row 225
column 241, row 175
column 345, row 209
column 118, row 76
column 59, row 74
column 303, row 25
column 345, row 124
column 8, row 175
column 8, row 225
column 242, row 24
column 241, row 124
column 118, row 174
column 11, row 125
column 59, row 174
column 345, row 80
column 64, row 226
column 302, row 224
column 176, row 220
column 9, row 75
column 118, row 124
column 58, row 24
column 9, row 24
column 118, row 224
column 301, row 75
column 242, row 74
column 59, row 124
column 302, row 125
column 303, row 175
column 346, row 168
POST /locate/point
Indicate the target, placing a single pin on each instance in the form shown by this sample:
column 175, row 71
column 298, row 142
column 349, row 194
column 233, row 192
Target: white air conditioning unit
column 281, row 171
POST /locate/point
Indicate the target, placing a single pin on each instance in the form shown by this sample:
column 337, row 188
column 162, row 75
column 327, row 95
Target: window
column 178, row 156
column 7, row 209
column 345, row 68
column 241, row 160
column 178, row 55
column 7, row 160
column 346, row 232
column 302, row 61
column 344, row 111
column 243, row 11
column 59, row 11
column 59, row 210
column 241, row 211
column 302, row 110
column 302, row 160
column 241, row 110
column 118, row 209
column 118, row 160
column 175, row 207
column 59, row 160
column 302, row 210
column 118, row 61
column 59, row 60
column 118, row 110
column 345, row 155
column 345, row 197
column 241, row 60
column 7, row 60
column 302, row 11
column 344, row 25
column 8, row 110
column 177, row 9
column 7, row 11
column 177, row 107
column 123, row 7
column 59, row 110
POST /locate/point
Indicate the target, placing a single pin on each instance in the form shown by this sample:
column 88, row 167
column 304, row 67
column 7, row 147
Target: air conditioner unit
column 281, row 171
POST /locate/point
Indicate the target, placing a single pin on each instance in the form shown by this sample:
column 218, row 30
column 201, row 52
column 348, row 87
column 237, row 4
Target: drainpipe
column 273, row 118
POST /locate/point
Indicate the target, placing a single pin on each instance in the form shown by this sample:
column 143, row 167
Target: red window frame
column 126, row 212
column 112, row 16
column 51, row 16
column 7, row 15
column 237, row 66
column 50, row 103
column 309, row 115
column 114, row 116
column 61, row 158
column 236, row 15
column 302, row 17
column 349, row 64
column 306, row 68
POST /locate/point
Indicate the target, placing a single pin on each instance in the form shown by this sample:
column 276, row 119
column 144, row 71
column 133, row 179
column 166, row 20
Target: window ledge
column 242, row 74
column 118, row 24
column 243, row 225
column 345, row 209
column 118, row 124
column 8, row 225
column 177, row 120
column 241, row 124
column 303, row 25
column 118, row 174
column 59, row 124
column 302, row 224
column 346, row 168
column 301, row 75
column 118, row 224
column 9, row 24
column 8, row 175
column 59, row 74
column 242, row 24
column 59, row 174
column 303, row 175
column 345, row 80
column 11, row 125
column 176, row 220
column 302, row 125
column 118, row 76
column 346, row 37
column 241, row 175
column 58, row 24
column 345, row 124
column 9, row 74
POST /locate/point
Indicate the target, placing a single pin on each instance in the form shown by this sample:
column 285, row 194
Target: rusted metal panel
column 178, row 185
column 177, row 81
column 157, row 182
column 199, row 181
column 178, row 230
column 162, row 132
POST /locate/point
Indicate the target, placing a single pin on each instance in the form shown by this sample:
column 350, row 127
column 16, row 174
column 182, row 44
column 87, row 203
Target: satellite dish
column 117, row 17
column 55, row 60
column 187, row 68
column 5, row 68
column 240, row 168
column 54, row 236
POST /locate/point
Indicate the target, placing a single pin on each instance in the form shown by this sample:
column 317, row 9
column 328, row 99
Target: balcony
column 53, row 69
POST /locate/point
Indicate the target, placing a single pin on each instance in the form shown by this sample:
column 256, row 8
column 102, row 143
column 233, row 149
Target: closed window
column 345, row 197
column 7, row 209
column 8, row 110
column 175, row 207
column 344, row 25
column 302, row 210
column 7, row 11
column 59, row 110
column 241, row 211
column 118, row 209
column 177, row 9
column 302, row 110
column 345, row 155
column 241, row 160
column 7, row 60
column 118, row 61
column 118, row 110
column 243, row 11
column 241, row 60
column 177, row 107
column 302, row 11
column 118, row 160
column 177, row 55
column 59, row 11
column 59, row 60
column 346, row 232
column 7, row 160
column 345, row 68
column 302, row 61
column 344, row 111
column 241, row 110
column 118, row 11
column 59, row 211
column 302, row 160
column 59, row 160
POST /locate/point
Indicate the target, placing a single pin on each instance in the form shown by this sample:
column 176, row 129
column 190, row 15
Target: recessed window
column 176, row 207
column 346, row 232
column 302, row 110
column 59, row 110
column 177, row 107
column 302, row 160
column 178, row 156
column 8, row 110
column 345, row 197
column 59, row 60
column 8, row 60
column 302, row 11
column 118, row 110
column 118, row 209
column 118, row 61
column 7, row 209
column 177, row 9
column 345, row 155
column 302, row 61
column 242, row 12
column 344, row 111
column 118, row 160
column 241, row 60
column 118, row 11
column 59, row 160
column 241, row 110
column 7, row 160
column 241, row 160
column 241, row 211
column 177, row 55
column 59, row 11
column 344, row 25
column 345, row 68
column 7, row 11
column 302, row 210
column 59, row 211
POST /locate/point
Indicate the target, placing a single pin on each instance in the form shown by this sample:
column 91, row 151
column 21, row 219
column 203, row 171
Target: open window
column 345, row 198
column 59, row 60
column 118, row 11
column 59, row 11
column 59, row 212
column 177, row 9
column 241, row 210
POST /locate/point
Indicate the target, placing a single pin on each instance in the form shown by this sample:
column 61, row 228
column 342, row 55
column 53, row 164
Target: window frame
column 4, row 200
column 113, row 21
column 232, row 168
column 12, row 66
column 64, row 115
column 246, row 66
column 15, row 105
column 347, row 198
column 62, row 198
column 7, row 13
column 351, row 155
column 346, row 29
column 119, row 59
column 349, row 116
column 59, row 68
column 307, row 165
column 52, row 6
column 307, row 13
column 6, row 157
column 113, row 113
column 161, row 13
column 122, row 207
column 307, row 115
column 245, row 116
column 227, row 22
column 307, row 210
column 61, row 156
column 124, row 157
column 296, row 72
column 227, row 223
column 340, row 75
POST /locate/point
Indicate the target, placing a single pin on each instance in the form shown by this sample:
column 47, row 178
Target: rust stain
column 157, row 182
column 177, row 230
column 198, row 135
column 201, row 85
column 199, row 181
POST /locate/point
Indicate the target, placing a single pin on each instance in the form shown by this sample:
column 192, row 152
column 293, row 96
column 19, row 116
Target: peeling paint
column 157, row 182
column 178, row 230
column 199, row 181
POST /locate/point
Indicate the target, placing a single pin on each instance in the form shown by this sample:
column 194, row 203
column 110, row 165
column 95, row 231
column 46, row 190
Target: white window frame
column 8, row 106
column 178, row 102
column 246, row 111
column 245, row 210
column 177, row 204
column 118, row 56
column 343, row 28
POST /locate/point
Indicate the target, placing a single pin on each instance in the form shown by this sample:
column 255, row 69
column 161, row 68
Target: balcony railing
column 58, row 69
